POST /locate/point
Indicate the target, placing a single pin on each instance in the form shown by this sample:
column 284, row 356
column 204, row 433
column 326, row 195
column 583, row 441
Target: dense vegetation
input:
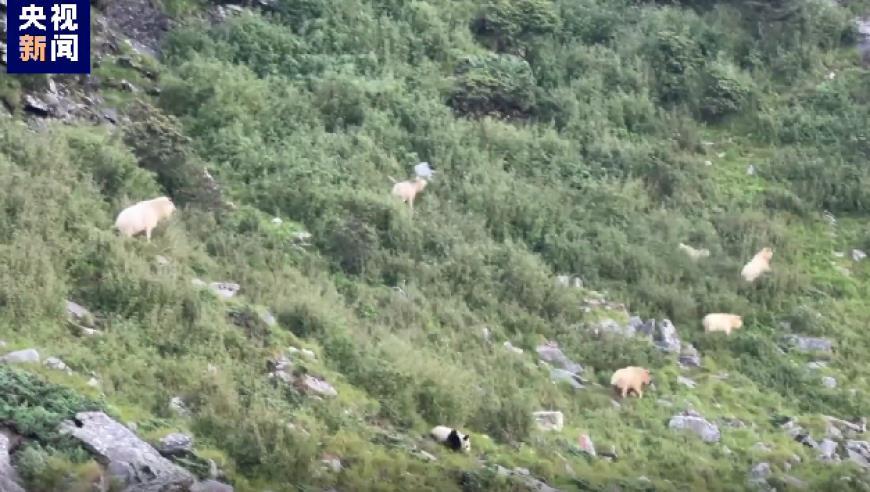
column 569, row 136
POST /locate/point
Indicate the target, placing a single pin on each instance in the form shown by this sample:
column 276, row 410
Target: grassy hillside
column 581, row 137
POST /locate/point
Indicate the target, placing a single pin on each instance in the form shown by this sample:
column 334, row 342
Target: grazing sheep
column 693, row 253
column 630, row 379
column 759, row 264
column 451, row 438
column 722, row 322
column 144, row 216
column 408, row 190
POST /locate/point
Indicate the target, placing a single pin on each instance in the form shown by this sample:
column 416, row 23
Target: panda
column 451, row 438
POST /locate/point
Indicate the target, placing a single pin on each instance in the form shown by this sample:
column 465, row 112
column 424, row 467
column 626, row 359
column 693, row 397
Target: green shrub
column 493, row 84
column 507, row 23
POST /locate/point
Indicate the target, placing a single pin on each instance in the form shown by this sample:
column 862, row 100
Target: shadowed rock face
column 127, row 458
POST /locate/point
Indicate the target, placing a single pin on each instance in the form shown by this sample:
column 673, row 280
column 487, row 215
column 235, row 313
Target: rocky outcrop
column 26, row 356
column 553, row 355
column 127, row 458
column 9, row 481
column 809, row 344
column 691, row 421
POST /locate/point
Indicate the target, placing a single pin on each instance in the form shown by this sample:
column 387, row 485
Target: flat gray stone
column 26, row 356
column 707, row 431
column 9, row 480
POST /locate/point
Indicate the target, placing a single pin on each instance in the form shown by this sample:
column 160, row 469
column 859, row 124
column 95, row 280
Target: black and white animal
column 451, row 438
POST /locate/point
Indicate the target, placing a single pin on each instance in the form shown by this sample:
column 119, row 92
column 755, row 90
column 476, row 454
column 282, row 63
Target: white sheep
column 722, row 322
column 144, row 216
column 759, row 264
column 408, row 190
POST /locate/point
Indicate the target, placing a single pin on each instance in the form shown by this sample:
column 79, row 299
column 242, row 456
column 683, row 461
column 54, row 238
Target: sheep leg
column 148, row 235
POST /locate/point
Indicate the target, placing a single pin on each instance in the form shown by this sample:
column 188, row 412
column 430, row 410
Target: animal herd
column 143, row 217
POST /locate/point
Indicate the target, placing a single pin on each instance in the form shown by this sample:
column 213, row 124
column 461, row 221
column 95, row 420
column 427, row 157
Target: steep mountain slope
column 583, row 138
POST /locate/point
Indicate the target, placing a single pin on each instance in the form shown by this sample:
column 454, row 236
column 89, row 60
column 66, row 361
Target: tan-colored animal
column 144, row 216
column 722, row 322
column 758, row 265
column 408, row 190
column 693, row 253
column 628, row 379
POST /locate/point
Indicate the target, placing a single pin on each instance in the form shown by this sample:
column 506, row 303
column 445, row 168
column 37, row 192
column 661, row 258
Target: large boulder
column 553, row 355
column 26, row 356
column 666, row 337
column 810, row 344
column 549, row 420
column 128, row 459
column 859, row 452
column 175, row 444
column 707, row 431
column 8, row 476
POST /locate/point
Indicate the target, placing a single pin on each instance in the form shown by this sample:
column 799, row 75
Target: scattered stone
column 78, row 312
column 828, row 450
column 846, row 426
column 57, row 365
column 708, row 163
column 9, row 480
column 523, row 476
column 426, row 455
column 561, row 375
column 760, row 472
column 175, row 444
column 162, row 260
column 858, row 255
column 552, row 354
column 302, row 238
column 686, row 382
column 508, row 345
column 689, row 356
column 486, row 333
column 829, row 382
column 178, row 407
column 816, row 365
column 610, row 327
column 829, row 217
column 210, row 486
column 569, row 281
column 586, row 444
column 549, row 420
column 799, row 434
column 36, row 105
column 707, row 431
column 750, row 170
column 128, row 459
column 859, row 452
column 810, row 344
column 839, row 254
column 26, row 356
column 318, row 386
column 225, row 290
column 667, row 338
column 94, row 382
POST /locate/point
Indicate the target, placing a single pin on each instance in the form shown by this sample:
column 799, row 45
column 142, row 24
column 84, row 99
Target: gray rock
column 760, row 472
column 859, row 452
column 423, row 170
column 707, row 431
column 810, row 344
column 210, row 486
column 827, row 450
column 178, row 407
column 26, row 356
column 586, row 445
column 686, row 382
column 563, row 280
column 549, row 420
column 848, row 427
column 561, row 375
column 175, row 444
column 9, row 480
column 162, row 260
column 485, row 333
column 689, row 356
column 610, row 327
column 829, row 382
column 36, row 105
column 552, row 354
column 303, row 238
column 127, row 458
column 78, row 312
column 858, row 255
column 225, row 290
column 667, row 338
column 816, row 365
column 524, row 477
column 318, row 386
column 799, row 434
column 333, row 463
column 94, row 382
column 57, row 365
column 750, row 170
